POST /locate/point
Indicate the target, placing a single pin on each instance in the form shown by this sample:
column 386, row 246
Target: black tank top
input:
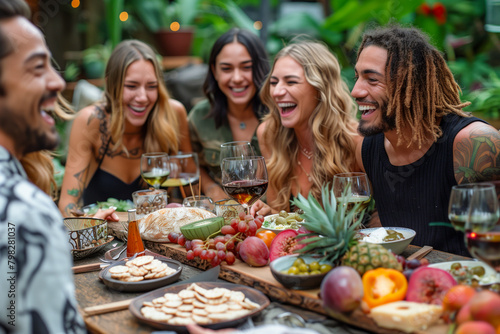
column 104, row 185
column 415, row 195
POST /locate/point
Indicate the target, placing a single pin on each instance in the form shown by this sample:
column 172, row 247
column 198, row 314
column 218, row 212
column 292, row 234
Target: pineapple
column 332, row 234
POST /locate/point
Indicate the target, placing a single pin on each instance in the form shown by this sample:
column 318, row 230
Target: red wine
column 246, row 191
column 485, row 246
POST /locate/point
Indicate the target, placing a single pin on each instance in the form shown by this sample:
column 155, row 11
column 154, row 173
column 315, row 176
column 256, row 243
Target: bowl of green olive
column 299, row 272
column 395, row 239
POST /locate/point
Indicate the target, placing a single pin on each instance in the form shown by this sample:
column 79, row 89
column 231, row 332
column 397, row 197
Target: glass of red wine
column 482, row 234
column 244, row 179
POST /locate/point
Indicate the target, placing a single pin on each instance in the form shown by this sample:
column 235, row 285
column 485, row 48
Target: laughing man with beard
column 418, row 140
column 35, row 260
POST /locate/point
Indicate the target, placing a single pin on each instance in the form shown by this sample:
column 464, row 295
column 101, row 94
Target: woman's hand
column 108, row 214
column 260, row 208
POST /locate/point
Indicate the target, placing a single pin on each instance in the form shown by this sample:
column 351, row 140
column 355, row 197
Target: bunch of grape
column 224, row 246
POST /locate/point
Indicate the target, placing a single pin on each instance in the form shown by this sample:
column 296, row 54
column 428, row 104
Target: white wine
column 355, row 199
column 184, row 179
column 156, row 177
column 479, row 222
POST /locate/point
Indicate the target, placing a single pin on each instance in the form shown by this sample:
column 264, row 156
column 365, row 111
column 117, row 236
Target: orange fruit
column 457, row 296
column 266, row 236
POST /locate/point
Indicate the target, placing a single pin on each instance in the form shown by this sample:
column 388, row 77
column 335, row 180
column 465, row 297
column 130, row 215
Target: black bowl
column 297, row 282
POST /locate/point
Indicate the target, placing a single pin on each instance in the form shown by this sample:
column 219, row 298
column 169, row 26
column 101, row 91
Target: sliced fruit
column 429, row 285
column 284, row 244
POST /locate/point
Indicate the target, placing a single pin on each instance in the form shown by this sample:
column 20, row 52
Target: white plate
column 275, row 230
column 490, row 275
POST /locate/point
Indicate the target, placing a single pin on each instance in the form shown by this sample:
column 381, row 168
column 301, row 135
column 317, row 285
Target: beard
column 386, row 124
column 26, row 139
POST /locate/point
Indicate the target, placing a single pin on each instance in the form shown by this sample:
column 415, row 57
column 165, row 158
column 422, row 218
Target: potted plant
column 171, row 23
column 184, row 20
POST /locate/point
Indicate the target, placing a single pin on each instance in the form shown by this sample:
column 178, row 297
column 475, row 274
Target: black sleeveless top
column 104, row 185
column 417, row 194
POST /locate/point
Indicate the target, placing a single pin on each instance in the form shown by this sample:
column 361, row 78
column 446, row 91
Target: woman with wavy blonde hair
column 310, row 133
column 107, row 139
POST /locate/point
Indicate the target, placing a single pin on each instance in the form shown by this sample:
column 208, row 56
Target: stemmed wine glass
column 155, row 168
column 184, row 169
column 353, row 188
column 481, row 238
column 244, row 179
column 236, row 149
column 459, row 204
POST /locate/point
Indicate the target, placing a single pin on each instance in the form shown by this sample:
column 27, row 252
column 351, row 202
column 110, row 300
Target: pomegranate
column 341, row 290
column 254, row 252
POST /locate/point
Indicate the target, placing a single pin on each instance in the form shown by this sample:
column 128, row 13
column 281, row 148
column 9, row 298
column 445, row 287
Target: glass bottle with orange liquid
column 134, row 241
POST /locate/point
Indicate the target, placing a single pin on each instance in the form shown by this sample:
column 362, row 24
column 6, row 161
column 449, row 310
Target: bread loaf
column 406, row 316
column 157, row 225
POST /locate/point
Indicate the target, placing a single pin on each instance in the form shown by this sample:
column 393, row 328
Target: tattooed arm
column 476, row 154
column 81, row 162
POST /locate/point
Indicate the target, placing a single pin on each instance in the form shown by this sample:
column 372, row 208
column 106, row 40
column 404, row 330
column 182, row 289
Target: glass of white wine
column 460, row 202
column 355, row 186
column 155, row 168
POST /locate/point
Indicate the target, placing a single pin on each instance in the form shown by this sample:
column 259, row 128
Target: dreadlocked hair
column 420, row 86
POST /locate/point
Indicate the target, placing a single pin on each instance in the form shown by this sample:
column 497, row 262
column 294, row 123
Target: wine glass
column 459, row 204
column 236, row 149
column 199, row 201
column 244, row 179
column 481, row 236
column 352, row 188
column 184, row 170
column 155, row 168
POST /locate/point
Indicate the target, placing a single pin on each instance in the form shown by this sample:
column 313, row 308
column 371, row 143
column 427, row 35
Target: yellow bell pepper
column 382, row 286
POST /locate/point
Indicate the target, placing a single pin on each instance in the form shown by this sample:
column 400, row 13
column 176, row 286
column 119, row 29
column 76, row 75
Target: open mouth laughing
column 286, row 108
column 367, row 110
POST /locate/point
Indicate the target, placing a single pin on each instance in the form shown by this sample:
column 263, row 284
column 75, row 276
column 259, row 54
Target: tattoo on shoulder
column 476, row 157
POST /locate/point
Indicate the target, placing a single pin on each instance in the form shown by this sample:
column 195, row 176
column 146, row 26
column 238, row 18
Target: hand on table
column 260, row 208
column 108, row 214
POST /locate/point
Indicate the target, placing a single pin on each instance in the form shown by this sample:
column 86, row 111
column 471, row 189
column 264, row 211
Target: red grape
column 221, row 255
column 413, row 264
column 230, row 258
column 181, row 240
column 188, row 245
column 248, row 218
column 227, row 229
column 197, row 251
column 210, row 254
column 203, row 254
column 242, row 226
column 172, row 236
column 252, row 227
column 219, row 238
column 190, row 255
column 220, row 246
column 242, row 215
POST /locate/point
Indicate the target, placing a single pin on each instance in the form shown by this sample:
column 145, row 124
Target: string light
column 174, row 26
column 123, row 16
column 257, row 25
column 75, row 3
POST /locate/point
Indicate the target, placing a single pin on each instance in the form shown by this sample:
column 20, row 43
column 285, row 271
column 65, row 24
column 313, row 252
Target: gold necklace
column 309, row 178
column 306, row 153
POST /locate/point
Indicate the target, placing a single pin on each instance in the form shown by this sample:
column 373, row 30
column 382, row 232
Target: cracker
column 215, row 293
column 118, row 270
column 149, row 276
column 200, row 298
column 159, row 300
column 186, row 308
column 168, row 310
column 173, row 303
column 133, row 279
column 250, row 304
column 183, row 314
column 143, row 260
column 171, row 296
column 234, row 306
column 198, row 304
column 220, row 316
column 188, row 301
column 201, row 320
column 200, row 312
column 147, row 309
column 237, row 296
column 152, row 265
column 158, row 268
column 216, row 308
column 120, row 276
column 137, row 271
column 186, row 294
column 150, row 304
column 160, row 316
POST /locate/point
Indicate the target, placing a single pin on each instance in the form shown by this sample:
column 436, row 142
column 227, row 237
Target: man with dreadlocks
column 418, row 141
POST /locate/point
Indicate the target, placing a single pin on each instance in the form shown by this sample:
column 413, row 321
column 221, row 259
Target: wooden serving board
column 262, row 279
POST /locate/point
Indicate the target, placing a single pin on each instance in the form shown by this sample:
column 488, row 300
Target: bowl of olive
column 395, row 239
column 300, row 272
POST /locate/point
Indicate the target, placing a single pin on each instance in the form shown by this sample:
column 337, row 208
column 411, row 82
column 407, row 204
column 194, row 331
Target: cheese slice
column 406, row 316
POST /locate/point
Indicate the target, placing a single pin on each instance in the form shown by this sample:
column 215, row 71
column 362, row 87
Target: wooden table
column 91, row 292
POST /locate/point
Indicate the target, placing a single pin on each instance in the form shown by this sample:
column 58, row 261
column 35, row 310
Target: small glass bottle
column 134, row 241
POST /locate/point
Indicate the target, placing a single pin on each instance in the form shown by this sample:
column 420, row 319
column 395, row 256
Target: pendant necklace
column 306, row 153
column 309, row 178
column 243, row 126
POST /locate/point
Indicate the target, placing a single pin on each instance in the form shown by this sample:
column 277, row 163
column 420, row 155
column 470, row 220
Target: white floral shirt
column 37, row 293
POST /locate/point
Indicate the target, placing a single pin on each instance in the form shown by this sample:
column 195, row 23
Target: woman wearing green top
column 238, row 66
